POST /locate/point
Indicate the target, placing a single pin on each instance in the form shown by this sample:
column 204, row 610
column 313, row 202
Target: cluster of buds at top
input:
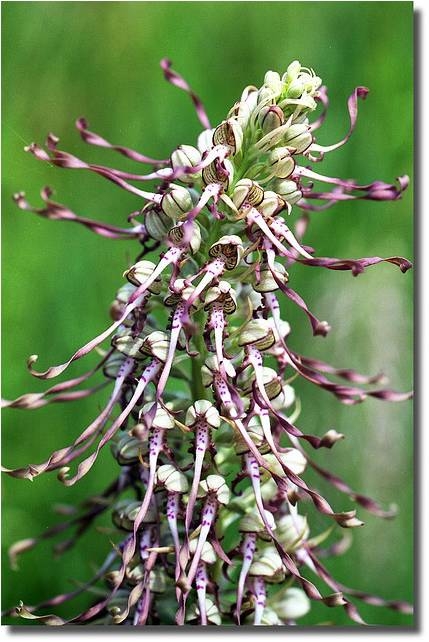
column 216, row 526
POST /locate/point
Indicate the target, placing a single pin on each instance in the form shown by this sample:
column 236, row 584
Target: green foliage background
column 62, row 60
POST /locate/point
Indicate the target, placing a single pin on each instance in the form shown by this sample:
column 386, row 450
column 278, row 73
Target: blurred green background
column 62, row 60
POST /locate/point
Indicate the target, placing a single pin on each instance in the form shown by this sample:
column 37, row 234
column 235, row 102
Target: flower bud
column 128, row 345
column 113, row 364
column 298, row 137
column 112, row 578
column 296, row 88
column 281, row 329
column 241, row 113
column 256, row 434
column 288, row 190
column 208, row 554
column 265, row 95
column 121, row 299
column 177, row 234
column 203, row 410
column 163, row 420
column 252, row 523
column 250, row 96
column 267, row 563
column 125, row 512
column 264, row 282
column 211, row 610
column 218, row 172
column 140, row 272
column 292, row 530
column 272, row 204
column 271, row 380
column 176, row 202
column 273, row 81
column 127, row 450
column 223, row 294
column 292, row 71
column 281, row 162
column 285, row 399
column 186, row 156
column 247, row 192
column 270, row 117
column 229, row 249
column 135, row 574
column 156, row 345
column 156, row 223
column 290, row 603
column 257, row 332
column 173, row 480
column 230, row 134
column 291, row 457
column 140, row 431
column 216, row 485
column 269, row 618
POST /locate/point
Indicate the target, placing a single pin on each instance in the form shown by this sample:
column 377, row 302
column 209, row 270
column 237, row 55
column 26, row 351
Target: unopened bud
column 121, row 299
column 292, row 71
column 176, row 202
column 257, row 332
column 290, row 603
column 271, row 204
column 281, row 162
column 288, row 190
column 292, row 530
column 140, row 272
column 265, row 282
column 208, row 554
column 292, row 458
column 125, row 512
column 252, row 523
column 268, row 564
column 270, row 117
column 157, row 223
column 247, row 192
column 273, row 81
column 285, row 399
column 156, row 345
column 230, row 134
column 113, row 364
column 127, row 450
column 298, row 137
column 128, row 345
column 186, row 156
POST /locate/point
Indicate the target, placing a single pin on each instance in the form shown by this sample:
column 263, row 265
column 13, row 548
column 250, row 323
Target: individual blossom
column 211, row 515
